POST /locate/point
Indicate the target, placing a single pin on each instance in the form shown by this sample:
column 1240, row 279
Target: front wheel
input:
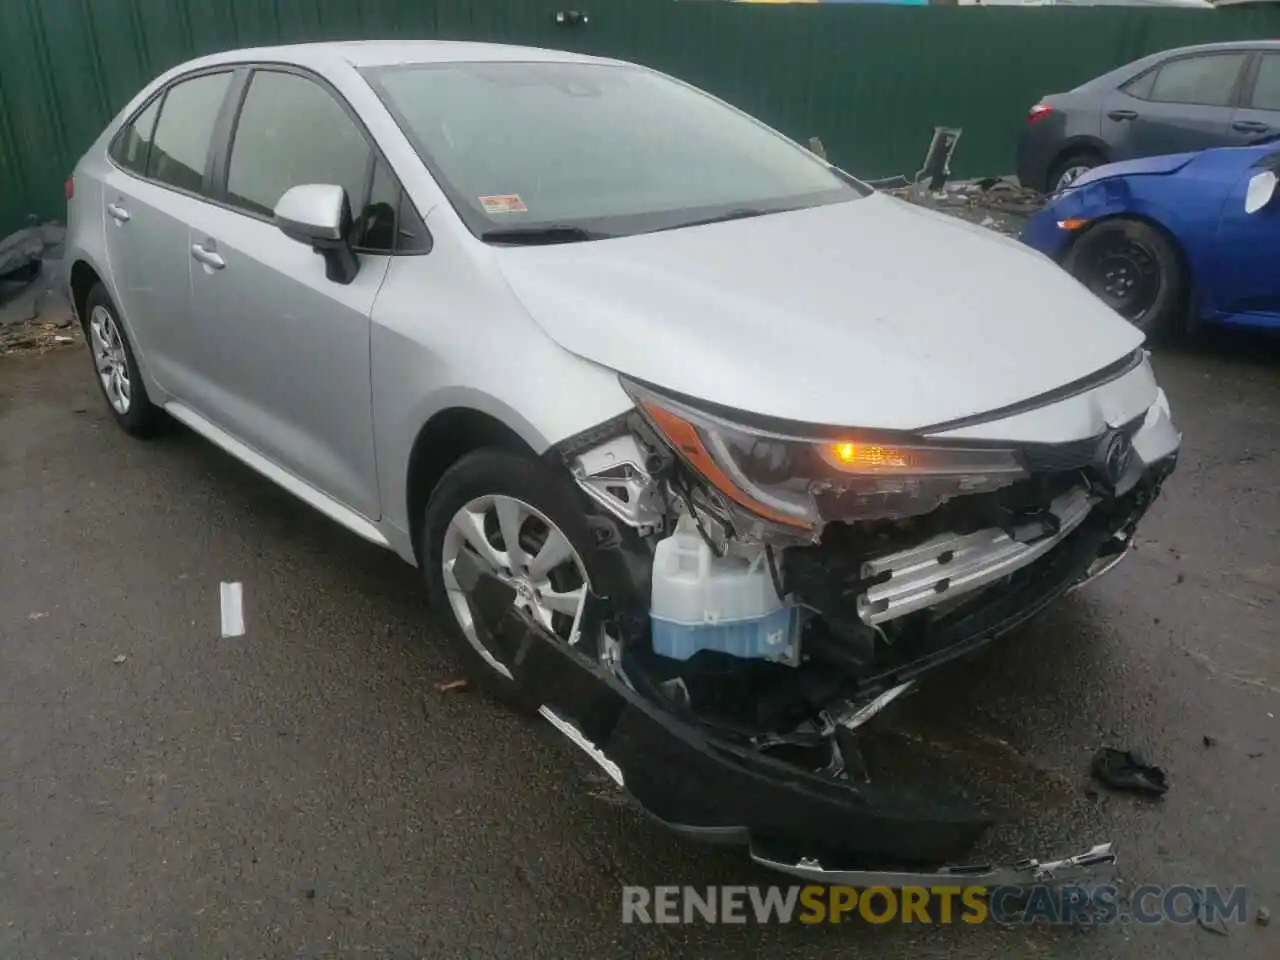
column 1135, row 269
column 524, row 524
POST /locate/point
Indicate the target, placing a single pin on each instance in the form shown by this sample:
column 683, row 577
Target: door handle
column 118, row 213
column 1250, row 126
column 1123, row 114
column 207, row 257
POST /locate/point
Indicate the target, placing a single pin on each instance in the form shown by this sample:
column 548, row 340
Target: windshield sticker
column 503, row 203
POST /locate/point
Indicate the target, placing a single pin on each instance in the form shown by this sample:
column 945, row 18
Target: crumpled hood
column 871, row 313
column 1169, row 163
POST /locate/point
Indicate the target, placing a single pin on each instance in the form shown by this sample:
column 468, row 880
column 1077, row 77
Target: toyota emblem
column 1114, row 453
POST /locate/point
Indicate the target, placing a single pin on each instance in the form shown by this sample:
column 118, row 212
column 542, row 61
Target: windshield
column 557, row 152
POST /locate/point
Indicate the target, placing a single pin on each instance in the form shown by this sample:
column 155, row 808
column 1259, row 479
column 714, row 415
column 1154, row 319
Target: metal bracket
column 614, row 474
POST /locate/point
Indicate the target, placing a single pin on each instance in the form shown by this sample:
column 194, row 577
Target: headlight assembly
column 802, row 481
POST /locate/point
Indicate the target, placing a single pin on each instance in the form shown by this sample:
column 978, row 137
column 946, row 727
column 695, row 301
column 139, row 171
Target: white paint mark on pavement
column 232, row 610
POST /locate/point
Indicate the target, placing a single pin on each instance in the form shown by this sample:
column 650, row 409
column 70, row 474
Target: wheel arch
column 447, row 437
column 80, row 280
column 1080, row 144
column 1083, row 143
column 1151, row 218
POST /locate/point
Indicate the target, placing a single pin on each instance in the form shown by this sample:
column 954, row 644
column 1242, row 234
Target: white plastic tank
column 704, row 602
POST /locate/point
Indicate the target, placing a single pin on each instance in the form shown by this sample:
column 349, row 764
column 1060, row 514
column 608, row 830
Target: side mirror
column 1262, row 189
column 319, row 215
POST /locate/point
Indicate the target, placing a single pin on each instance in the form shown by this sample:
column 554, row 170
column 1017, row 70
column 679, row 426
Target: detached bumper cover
column 698, row 783
column 706, row 786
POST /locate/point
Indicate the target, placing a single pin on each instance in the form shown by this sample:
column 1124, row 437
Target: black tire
column 551, row 492
column 1160, row 310
column 1088, row 159
column 142, row 418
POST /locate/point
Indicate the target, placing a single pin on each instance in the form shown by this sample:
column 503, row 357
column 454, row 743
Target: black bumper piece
column 704, row 785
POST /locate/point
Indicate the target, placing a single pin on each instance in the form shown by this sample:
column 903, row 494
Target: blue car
column 1175, row 241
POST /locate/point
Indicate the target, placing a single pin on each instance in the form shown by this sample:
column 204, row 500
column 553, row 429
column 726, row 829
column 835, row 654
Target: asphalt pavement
column 308, row 790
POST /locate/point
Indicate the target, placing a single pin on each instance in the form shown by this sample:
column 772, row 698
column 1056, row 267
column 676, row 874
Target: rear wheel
column 116, row 367
column 1136, row 270
column 1070, row 167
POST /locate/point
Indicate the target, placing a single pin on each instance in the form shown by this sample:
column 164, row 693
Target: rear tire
column 115, row 367
column 1070, row 166
column 1135, row 269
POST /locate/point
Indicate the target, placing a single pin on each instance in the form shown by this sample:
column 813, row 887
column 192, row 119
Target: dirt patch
column 994, row 203
column 34, row 318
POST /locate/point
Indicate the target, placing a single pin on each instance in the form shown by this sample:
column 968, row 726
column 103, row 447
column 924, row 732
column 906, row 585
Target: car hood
column 871, row 313
column 1169, row 163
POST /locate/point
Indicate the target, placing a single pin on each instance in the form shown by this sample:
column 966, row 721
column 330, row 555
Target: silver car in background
column 707, row 451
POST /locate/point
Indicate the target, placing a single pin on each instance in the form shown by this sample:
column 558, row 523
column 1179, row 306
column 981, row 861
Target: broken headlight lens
column 803, row 481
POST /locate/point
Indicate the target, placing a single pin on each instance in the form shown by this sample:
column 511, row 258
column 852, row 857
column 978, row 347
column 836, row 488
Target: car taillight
column 69, row 188
column 1038, row 113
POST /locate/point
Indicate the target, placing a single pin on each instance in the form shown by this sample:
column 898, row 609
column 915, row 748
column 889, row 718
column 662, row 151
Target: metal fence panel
column 870, row 80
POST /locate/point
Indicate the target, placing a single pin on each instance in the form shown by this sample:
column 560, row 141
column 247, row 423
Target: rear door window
column 1208, row 80
column 292, row 131
column 1141, row 86
column 180, row 149
column 129, row 148
column 1266, row 88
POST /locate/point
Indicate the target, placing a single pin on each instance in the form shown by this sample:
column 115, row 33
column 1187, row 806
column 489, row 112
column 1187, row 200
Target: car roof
column 1225, row 46
column 381, row 53
column 1113, row 78
column 1216, row 47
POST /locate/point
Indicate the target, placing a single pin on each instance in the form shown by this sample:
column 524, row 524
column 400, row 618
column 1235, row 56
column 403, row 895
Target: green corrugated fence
column 869, row 80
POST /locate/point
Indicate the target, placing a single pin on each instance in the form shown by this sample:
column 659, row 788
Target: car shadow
column 1230, row 344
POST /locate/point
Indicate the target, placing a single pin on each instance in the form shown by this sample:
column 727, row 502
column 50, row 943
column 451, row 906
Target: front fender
column 1051, row 232
column 540, row 392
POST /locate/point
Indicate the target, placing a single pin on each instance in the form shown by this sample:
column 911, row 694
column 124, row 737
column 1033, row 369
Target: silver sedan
column 707, row 451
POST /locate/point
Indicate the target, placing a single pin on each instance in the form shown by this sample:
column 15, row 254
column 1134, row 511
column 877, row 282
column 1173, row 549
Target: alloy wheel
column 1071, row 175
column 110, row 359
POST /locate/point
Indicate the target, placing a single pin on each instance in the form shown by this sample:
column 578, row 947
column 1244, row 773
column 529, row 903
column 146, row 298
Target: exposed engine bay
column 776, row 590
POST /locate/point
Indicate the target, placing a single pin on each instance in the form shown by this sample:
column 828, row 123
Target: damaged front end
column 784, row 584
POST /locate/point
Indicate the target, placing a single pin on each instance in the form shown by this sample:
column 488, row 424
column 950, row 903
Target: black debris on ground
column 1125, row 770
column 1216, row 926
